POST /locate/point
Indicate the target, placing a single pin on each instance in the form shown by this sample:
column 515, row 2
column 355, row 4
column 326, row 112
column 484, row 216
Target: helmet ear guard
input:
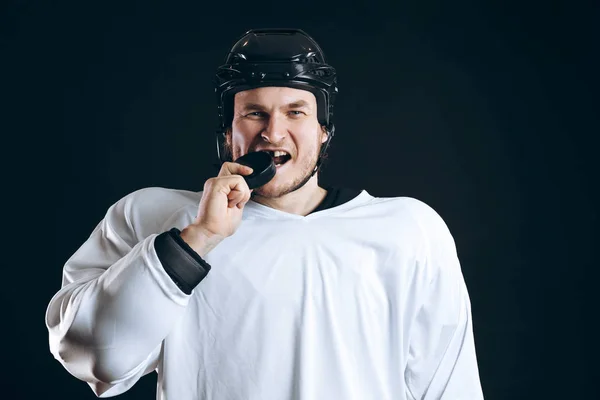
column 275, row 57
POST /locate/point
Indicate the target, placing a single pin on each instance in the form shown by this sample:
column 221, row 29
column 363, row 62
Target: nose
column 276, row 129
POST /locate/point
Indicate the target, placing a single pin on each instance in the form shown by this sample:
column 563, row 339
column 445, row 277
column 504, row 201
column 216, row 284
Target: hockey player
column 288, row 291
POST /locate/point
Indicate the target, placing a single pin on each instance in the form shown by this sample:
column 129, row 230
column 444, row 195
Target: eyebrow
column 294, row 104
column 298, row 104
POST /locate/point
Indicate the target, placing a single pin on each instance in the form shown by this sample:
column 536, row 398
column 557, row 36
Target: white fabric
column 361, row 301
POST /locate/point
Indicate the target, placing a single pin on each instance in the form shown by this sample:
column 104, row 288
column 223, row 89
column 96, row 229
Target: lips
column 279, row 156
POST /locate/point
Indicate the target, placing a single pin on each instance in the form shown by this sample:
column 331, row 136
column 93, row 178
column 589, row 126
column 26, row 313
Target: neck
column 300, row 202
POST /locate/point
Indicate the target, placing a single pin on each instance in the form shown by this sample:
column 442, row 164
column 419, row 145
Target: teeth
column 279, row 153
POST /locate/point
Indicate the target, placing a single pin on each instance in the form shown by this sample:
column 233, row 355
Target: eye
column 296, row 113
column 256, row 114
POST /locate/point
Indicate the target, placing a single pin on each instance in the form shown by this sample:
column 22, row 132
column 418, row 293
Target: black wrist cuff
column 180, row 261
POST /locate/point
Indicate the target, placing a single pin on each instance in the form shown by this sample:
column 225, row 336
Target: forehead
column 274, row 96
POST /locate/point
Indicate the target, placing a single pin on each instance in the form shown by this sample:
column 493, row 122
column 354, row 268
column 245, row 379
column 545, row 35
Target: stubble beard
column 281, row 189
column 271, row 191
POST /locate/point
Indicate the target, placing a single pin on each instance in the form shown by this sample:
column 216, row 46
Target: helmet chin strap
column 330, row 131
column 319, row 161
column 317, row 165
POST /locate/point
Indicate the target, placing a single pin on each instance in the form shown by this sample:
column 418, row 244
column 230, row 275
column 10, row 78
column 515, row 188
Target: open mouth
column 280, row 157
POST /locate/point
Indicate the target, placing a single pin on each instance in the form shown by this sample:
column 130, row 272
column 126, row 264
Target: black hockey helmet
column 275, row 57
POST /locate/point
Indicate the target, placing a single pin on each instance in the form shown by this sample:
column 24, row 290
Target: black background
column 486, row 111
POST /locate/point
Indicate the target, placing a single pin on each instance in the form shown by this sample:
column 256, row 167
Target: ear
column 324, row 134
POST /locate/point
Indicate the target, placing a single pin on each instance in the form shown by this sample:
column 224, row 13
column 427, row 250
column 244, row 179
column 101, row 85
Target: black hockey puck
column 262, row 164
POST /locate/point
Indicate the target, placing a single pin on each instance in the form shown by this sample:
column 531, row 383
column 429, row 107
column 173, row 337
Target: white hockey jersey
column 362, row 301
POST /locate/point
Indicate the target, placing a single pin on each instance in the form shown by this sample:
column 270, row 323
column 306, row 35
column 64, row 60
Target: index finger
column 232, row 168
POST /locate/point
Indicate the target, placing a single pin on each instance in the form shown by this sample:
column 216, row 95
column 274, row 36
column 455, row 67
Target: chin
column 275, row 188
column 284, row 181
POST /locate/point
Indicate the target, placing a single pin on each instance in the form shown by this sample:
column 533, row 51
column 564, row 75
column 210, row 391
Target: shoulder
column 152, row 198
column 428, row 234
column 425, row 215
column 147, row 210
column 425, row 221
column 418, row 209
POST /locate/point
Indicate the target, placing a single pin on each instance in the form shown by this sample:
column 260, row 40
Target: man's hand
column 220, row 210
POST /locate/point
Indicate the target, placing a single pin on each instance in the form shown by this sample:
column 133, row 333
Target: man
column 288, row 291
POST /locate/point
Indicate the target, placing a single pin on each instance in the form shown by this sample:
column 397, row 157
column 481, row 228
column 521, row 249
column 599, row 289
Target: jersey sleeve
column 116, row 303
column 442, row 362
